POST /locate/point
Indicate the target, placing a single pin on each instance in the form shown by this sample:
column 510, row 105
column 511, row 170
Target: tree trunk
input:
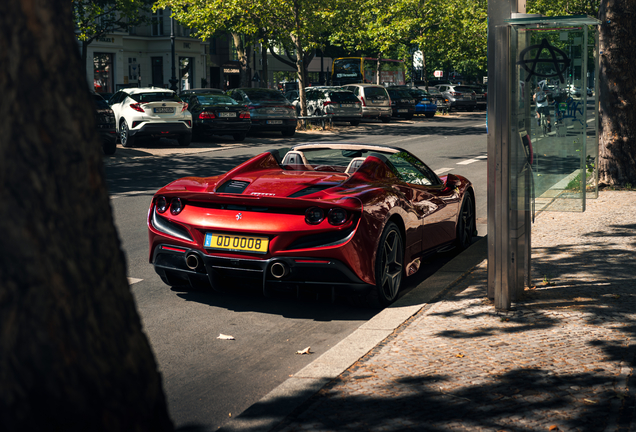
column 73, row 356
column 378, row 69
column 300, row 61
column 265, row 77
column 617, row 129
column 242, row 58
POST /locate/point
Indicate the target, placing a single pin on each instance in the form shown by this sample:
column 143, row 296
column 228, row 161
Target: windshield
column 208, row 100
column 100, row 103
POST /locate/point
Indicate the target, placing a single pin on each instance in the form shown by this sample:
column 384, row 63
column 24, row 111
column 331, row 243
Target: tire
column 408, row 117
column 239, row 137
column 465, row 224
column 184, row 140
column 429, row 115
column 355, row 123
column 288, row 132
column 389, row 267
column 124, row 135
column 385, row 119
column 109, row 147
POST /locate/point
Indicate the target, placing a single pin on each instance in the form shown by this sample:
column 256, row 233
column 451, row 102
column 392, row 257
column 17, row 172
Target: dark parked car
column 424, row 103
column 480, row 95
column 402, row 103
column 186, row 93
column 269, row 109
column 442, row 102
column 105, row 122
column 460, row 96
column 218, row 114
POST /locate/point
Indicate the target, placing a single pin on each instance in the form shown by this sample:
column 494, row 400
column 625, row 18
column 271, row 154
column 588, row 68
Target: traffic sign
column 438, row 74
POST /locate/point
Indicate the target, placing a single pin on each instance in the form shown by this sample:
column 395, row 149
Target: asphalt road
column 208, row 380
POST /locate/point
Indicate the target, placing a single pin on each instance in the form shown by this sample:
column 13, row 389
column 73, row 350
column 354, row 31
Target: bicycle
column 543, row 120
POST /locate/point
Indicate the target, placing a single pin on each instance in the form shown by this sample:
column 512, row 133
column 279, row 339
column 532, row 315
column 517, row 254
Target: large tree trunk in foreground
column 73, row 356
column 617, row 146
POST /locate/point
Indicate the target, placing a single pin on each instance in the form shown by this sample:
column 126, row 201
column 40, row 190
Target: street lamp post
column 173, row 80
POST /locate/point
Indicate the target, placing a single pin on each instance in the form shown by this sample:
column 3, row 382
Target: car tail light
column 136, row 123
column 363, row 101
column 337, row 216
column 245, row 115
column 137, row 107
column 314, row 215
column 455, row 94
column 206, row 115
column 176, row 206
column 162, row 204
column 185, row 107
column 188, row 122
column 291, row 107
column 325, row 103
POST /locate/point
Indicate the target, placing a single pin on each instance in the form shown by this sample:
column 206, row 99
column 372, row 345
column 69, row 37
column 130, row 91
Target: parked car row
column 152, row 113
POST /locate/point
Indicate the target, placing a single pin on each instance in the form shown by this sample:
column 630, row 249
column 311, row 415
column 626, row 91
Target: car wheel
column 355, row 123
column 385, row 119
column 109, row 147
column 239, row 137
column 389, row 267
column 184, row 140
column 288, row 132
column 124, row 135
column 429, row 115
column 465, row 224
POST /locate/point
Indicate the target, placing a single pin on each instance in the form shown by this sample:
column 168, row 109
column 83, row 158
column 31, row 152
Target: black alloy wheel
column 124, row 135
column 466, row 224
column 389, row 267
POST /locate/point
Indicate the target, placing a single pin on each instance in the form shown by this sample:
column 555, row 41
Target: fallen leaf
column 589, row 401
column 460, row 355
column 305, row 351
column 226, row 337
column 553, row 428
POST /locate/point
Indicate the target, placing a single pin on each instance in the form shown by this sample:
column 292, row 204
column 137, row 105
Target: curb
column 274, row 407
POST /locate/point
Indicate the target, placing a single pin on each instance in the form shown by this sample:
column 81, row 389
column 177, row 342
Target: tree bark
column 617, row 80
column 242, row 57
column 73, row 356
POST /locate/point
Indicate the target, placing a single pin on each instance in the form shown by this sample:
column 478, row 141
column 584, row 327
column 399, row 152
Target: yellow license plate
column 233, row 242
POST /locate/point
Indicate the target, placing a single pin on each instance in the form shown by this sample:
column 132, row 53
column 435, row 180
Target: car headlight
column 314, row 215
column 337, row 216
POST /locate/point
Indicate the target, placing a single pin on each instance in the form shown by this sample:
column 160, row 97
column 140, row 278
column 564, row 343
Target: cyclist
column 541, row 99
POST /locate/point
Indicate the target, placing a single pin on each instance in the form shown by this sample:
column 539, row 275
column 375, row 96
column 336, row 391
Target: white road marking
column 133, row 280
column 482, row 157
column 466, row 162
column 442, row 170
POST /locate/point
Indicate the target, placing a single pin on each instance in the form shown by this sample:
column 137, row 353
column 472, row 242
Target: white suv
column 151, row 112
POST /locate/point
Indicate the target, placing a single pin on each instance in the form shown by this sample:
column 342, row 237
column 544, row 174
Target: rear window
column 464, row 89
column 155, row 97
column 372, row 92
column 399, row 94
column 418, row 93
column 342, row 96
column 207, row 100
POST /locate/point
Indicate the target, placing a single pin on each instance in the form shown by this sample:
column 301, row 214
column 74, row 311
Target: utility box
column 554, row 112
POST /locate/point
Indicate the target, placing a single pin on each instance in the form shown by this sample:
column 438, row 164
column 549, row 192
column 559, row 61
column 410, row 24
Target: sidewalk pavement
column 562, row 360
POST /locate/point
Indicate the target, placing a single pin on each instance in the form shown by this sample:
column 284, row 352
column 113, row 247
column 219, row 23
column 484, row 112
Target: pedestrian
column 541, row 99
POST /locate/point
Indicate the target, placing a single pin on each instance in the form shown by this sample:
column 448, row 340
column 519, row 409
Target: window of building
column 157, row 23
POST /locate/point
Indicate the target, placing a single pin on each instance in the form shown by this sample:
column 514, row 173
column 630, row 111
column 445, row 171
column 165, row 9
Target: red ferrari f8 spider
column 350, row 218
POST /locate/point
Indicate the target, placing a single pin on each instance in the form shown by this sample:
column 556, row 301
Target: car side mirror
column 452, row 181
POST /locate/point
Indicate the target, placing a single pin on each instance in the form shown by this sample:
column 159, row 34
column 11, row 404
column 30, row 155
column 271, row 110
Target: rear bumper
column 375, row 112
column 263, row 125
column 221, row 128
column 161, row 129
column 171, row 266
